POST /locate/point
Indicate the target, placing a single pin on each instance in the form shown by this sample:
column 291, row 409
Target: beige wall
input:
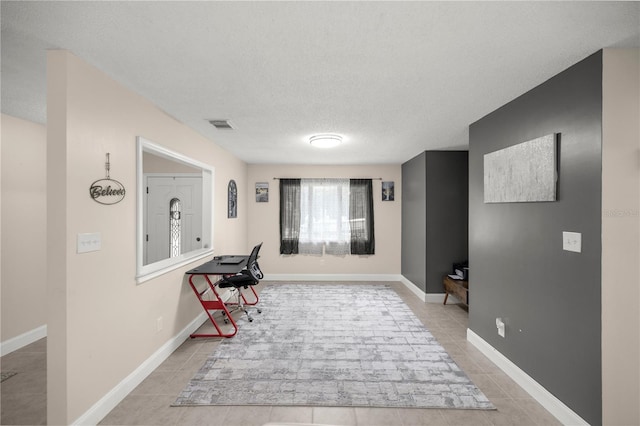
column 23, row 227
column 264, row 222
column 621, row 237
column 155, row 164
column 101, row 324
column 97, row 314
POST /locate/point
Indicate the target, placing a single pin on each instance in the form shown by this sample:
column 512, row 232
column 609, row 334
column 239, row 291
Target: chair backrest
column 254, row 254
column 252, row 263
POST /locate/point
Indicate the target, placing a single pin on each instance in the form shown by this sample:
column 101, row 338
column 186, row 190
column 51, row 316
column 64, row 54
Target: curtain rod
column 278, row 178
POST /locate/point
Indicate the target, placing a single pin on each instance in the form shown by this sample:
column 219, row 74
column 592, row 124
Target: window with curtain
column 333, row 216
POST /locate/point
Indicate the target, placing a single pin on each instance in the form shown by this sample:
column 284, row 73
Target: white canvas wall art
column 522, row 173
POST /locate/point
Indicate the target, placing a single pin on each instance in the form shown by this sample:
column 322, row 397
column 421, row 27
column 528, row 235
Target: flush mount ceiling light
column 325, row 141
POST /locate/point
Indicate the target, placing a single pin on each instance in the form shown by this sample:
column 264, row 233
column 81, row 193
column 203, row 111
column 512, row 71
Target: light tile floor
column 149, row 403
column 23, row 397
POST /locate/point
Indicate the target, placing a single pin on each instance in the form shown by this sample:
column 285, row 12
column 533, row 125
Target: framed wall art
column 388, row 191
column 232, row 199
column 262, row 192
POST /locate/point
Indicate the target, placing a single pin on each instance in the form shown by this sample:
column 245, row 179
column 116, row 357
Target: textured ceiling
column 395, row 78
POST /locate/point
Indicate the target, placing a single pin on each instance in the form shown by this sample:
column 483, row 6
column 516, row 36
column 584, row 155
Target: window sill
column 149, row 272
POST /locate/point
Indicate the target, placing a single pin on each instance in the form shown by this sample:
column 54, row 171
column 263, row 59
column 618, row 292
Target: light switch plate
column 89, row 242
column 572, row 241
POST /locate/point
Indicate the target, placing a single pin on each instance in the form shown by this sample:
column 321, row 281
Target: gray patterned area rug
column 332, row 345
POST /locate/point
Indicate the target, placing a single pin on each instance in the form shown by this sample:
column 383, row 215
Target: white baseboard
column 22, row 340
column 414, row 288
column 556, row 407
column 332, row 277
column 108, row 402
column 425, row 297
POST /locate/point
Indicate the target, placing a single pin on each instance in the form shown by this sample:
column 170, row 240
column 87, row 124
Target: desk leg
column 209, row 305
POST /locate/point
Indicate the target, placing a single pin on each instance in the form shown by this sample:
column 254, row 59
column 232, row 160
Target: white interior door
column 161, row 190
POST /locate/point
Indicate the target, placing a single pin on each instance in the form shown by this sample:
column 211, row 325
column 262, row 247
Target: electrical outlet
column 159, row 324
column 572, row 241
column 500, row 326
column 89, row 242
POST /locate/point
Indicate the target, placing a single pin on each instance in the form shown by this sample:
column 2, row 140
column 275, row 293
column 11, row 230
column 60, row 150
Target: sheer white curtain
column 324, row 216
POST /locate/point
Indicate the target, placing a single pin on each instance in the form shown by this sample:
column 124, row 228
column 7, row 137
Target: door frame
column 145, row 207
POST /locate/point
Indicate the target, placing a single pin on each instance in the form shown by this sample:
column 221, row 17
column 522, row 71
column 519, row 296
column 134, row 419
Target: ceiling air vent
column 221, row 124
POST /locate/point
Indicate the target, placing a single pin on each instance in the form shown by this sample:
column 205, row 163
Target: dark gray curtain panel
column 361, row 217
column 289, row 215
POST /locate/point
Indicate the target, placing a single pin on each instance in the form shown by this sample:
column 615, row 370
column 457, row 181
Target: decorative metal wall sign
column 522, row 173
column 107, row 190
column 232, row 199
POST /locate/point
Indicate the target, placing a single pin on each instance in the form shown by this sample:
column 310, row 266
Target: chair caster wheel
column 259, row 311
column 250, row 319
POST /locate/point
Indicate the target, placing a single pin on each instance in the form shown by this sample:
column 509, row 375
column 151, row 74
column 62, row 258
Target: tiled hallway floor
column 23, row 397
column 149, row 403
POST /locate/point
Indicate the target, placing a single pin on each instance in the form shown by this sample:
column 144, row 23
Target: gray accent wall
column 550, row 298
column 434, row 216
column 414, row 223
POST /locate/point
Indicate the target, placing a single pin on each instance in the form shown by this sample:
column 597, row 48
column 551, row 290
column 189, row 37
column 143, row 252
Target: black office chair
column 248, row 277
